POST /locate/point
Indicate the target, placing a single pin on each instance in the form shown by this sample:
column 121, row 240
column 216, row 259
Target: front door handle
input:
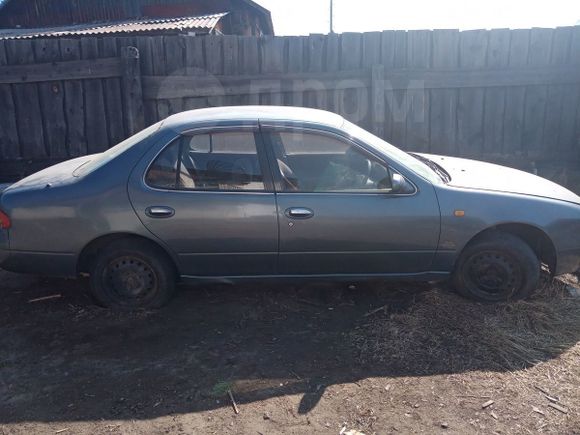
column 299, row 213
column 160, row 212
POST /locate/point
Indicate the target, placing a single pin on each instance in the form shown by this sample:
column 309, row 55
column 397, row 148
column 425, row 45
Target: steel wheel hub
column 494, row 274
column 130, row 277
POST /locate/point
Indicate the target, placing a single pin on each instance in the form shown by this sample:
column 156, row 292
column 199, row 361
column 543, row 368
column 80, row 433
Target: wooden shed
column 244, row 17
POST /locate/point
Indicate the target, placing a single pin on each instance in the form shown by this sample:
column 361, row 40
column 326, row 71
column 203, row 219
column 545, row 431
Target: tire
column 132, row 275
column 496, row 268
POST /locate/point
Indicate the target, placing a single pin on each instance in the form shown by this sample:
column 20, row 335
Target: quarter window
column 310, row 162
column 213, row 161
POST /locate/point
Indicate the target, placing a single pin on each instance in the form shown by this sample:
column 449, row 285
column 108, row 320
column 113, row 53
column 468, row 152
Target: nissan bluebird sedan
column 276, row 192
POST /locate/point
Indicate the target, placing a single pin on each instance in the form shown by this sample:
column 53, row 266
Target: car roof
column 254, row 113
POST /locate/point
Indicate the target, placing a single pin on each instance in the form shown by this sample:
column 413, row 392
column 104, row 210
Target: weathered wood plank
column 195, row 67
column 113, row 97
column 95, row 117
column 515, row 97
column 535, row 105
column 156, row 87
column 9, row 142
column 295, row 64
column 556, row 93
column 160, row 69
column 175, row 65
column 161, row 87
column 27, row 103
column 272, row 49
column 231, row 64
column 316, row 96
column 133, row 110
column 397, row 101
column 55, row 71
column 249, row 58
column 371, row 56
column 570, row 120
column 332, row 64
column 443, row 117
column 378, row 101
column 388, row 43
column 419, row 55
column 145, row 47
column 352, row 100
column 51, row 100
column 497, row 58
column 74, row 103
column 214, row 57
column 470, row 113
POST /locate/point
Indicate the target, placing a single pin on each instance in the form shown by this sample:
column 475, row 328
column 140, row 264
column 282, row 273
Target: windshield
column 395, row 153
column 99, row 160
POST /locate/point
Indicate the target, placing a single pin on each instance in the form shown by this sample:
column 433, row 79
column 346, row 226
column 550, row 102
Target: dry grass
column 442, row 329
column 513, row 353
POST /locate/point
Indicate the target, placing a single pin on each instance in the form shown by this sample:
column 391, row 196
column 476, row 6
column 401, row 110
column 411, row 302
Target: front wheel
column 496, row 268
column 132, row 275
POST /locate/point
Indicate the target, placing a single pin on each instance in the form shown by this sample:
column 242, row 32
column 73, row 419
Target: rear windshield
column 99, row 160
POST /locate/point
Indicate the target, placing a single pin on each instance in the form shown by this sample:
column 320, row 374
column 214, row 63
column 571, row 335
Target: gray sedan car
column 276, row 192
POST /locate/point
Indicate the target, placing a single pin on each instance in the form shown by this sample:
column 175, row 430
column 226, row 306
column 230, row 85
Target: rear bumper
column 39, row 263
column 568, row 261
column 3, row 246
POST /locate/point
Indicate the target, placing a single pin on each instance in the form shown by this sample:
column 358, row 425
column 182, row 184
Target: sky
column 302, row 17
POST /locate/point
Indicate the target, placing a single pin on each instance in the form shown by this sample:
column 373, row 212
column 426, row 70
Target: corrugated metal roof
column 201, row 24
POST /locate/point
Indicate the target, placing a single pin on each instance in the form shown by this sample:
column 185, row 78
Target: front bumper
column 568, row 262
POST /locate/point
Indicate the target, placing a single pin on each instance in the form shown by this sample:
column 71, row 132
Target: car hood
column 473, row 174
column 59, row 174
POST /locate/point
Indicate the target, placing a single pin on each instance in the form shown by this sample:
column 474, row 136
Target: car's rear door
column 336, row 211
column 208, row 195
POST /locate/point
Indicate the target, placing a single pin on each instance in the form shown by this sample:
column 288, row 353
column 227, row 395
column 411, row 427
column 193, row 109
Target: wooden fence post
column 134, row 112
column 378, row 109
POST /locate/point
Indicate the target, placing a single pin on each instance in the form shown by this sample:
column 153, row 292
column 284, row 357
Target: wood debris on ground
column 377, row 310
column 45, row 298
column 558, row 407
column 538, row 410
column 234, row 404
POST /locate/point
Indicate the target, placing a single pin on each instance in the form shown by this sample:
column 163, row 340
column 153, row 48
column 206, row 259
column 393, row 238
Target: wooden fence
column 482, row 94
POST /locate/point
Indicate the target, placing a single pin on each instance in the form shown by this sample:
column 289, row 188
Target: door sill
column 423, row 276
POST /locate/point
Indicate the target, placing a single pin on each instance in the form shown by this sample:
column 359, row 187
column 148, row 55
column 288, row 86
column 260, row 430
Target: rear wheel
column 498, row 267
column 132, row 275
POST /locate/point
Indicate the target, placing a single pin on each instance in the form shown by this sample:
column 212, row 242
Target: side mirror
column 400, row 185
column 397, row 182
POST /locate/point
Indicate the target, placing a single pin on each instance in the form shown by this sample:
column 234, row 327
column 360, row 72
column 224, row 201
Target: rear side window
column 225, row 161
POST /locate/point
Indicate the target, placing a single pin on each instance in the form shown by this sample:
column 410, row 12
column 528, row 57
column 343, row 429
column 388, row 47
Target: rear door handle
column 299, row 213
column 160, row 212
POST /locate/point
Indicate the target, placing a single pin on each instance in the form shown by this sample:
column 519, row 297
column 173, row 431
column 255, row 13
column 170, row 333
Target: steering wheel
column 360, row 165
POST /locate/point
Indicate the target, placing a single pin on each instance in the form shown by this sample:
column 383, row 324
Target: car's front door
column 338, row 213
column 206, row 196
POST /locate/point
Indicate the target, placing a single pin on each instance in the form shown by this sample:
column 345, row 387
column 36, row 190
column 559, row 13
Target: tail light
column 4, row 221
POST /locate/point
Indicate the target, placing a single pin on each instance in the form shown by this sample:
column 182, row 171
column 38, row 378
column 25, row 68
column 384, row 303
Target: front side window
column 311, row 162
column 210, row 161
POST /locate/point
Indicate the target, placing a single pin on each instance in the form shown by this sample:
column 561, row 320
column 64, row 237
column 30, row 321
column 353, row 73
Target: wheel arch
column 91, row 250
column 534, row 237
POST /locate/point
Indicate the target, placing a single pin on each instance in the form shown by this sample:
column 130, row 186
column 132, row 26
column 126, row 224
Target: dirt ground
column 297, row 359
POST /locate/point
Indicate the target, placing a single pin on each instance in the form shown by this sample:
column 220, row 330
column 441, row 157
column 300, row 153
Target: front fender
column 483, row 210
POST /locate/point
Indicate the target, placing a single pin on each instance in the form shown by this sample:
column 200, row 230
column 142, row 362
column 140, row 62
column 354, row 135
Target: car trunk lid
column 59, row 174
